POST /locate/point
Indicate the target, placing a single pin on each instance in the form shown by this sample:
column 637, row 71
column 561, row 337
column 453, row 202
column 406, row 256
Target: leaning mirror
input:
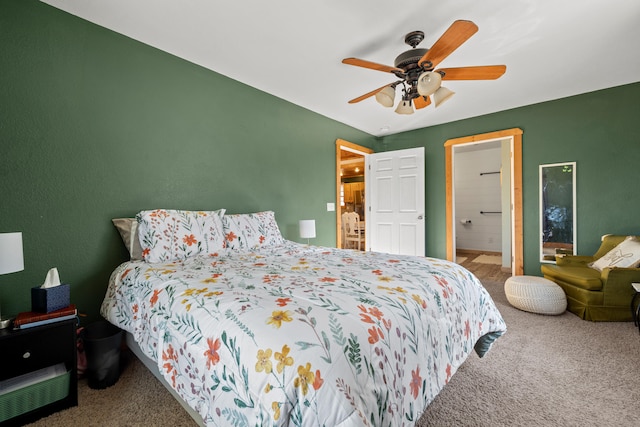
column 557, row 210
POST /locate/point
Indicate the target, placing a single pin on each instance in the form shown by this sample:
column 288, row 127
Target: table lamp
column 11, row 260
column 307, row 229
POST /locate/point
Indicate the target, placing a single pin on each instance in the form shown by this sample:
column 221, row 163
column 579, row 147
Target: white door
column 394, row 186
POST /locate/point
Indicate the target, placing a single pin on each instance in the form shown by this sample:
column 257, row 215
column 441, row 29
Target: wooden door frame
column 516, row 135
column 341, row 143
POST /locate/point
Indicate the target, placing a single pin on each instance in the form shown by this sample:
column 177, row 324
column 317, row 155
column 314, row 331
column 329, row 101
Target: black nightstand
column 27, row 350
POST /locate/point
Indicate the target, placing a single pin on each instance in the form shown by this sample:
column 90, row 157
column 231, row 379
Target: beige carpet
column 460, row 259
column 545, row 371
column 489, row 259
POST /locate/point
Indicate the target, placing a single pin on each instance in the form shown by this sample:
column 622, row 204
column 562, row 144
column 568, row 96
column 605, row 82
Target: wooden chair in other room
column 353, row 233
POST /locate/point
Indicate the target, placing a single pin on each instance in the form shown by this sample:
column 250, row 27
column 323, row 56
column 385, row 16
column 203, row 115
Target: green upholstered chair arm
column 573, row 260
column 616, row 284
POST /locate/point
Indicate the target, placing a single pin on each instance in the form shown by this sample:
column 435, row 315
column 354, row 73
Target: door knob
column 420, row 217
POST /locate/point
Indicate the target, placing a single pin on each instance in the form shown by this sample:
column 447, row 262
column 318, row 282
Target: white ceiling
column 293, row 48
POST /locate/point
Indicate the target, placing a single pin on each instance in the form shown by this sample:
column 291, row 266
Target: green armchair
column 591, row 294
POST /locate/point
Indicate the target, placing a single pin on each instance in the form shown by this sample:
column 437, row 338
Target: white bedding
column 304, row 336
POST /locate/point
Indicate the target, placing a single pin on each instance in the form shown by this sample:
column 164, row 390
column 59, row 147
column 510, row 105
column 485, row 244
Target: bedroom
column 97, row 126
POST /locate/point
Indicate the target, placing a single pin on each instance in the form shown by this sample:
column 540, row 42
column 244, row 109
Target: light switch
column 331, row 207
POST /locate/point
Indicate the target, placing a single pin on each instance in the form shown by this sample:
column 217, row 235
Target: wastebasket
column 102, row 342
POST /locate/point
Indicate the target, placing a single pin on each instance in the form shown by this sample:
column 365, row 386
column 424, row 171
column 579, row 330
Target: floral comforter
column 305, row 336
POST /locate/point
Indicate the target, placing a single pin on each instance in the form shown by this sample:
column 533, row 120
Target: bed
column 255, row 330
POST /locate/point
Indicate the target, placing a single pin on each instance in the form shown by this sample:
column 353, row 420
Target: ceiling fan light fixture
column 404, row 107
column 386, row 96
column 428, row 83
column 419, row 77
column 442, row 95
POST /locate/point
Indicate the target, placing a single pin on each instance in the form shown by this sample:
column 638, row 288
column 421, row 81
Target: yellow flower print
column 399, row 289
column 385, row 279
column 419, row 300
column 283, row 359
column 276, row 410
column 279, row 316
column 268, row 388
column 263, row 363
column 210, row 280
column 305, row 378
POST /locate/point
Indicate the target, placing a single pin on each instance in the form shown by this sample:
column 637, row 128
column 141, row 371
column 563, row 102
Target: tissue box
column 45, row 300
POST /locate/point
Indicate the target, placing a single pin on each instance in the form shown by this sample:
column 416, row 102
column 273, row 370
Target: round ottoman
column 535, row 294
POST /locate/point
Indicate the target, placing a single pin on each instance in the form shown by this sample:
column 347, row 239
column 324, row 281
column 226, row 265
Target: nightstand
column 25, row 351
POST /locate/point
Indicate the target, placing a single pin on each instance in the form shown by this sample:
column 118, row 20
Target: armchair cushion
column 585, row 278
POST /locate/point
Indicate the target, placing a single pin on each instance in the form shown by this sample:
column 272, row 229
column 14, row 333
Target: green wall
column 597, row 130
column 94, row 126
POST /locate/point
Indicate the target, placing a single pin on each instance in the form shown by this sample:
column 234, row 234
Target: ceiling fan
column 415, row 69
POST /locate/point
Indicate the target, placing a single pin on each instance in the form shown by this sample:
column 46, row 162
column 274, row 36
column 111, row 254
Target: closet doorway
column 512, row 209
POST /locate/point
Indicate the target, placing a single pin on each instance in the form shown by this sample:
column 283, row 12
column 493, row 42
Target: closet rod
column 486, row 212
column 488, row 173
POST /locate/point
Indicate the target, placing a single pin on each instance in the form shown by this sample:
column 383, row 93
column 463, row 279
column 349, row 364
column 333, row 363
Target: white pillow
column 626, row 254
column 172, row 235
column 251, row 231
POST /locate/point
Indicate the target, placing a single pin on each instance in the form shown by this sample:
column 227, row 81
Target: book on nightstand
column 29, row 319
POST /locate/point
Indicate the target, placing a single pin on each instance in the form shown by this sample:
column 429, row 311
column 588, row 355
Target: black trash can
column 102, row 342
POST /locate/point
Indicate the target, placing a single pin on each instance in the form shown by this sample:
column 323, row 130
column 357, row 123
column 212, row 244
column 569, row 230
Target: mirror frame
column 574, row 245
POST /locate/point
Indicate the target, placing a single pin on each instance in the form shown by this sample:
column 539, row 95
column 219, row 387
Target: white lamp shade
column 442, row 95
column 11, row 259
column 404, row 107
column 307, row 228
column 386, row 96
column 428, row 83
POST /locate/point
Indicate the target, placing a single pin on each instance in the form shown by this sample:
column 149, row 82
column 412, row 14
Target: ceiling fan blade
column 459, row 32
column 483, row 72
column 371, row 65
column 421, row 102
column 367, row 95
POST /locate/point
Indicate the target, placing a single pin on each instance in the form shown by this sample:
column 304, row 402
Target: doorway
column 350, row 183
column 482, row 200
column 515, row 210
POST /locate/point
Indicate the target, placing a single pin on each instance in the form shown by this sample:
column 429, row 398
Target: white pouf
column 535, row 294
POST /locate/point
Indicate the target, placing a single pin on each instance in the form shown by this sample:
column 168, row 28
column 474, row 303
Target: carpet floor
column 545, row 371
